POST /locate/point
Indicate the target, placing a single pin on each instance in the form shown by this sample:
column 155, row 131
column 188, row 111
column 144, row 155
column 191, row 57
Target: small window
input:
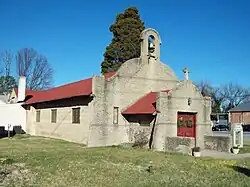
column 115, row 115
column 38, row 115
column 53, row 115
column 76, row 115
column 144, row 123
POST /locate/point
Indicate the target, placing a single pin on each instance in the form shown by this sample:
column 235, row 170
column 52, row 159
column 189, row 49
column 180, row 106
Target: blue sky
column 210, row 37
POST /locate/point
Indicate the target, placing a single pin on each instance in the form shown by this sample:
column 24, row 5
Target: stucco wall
column 30, row 120
column 169, row 104
column 13, row 115
column 133, row 80
column 136, row 78
column 63, row 128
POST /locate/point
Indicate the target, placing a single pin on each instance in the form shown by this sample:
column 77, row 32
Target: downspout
column 152, row 132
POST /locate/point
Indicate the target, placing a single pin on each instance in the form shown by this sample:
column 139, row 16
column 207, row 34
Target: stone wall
column 140, row 130
column 218, row 143
column 139, row 136
column 179, row 144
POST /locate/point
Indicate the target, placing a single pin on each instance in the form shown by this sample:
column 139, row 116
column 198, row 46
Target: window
column 53, row 115
column 38, row 115
column 76, row 115
column 145, row 123
column 115, row 115
column 223, row 116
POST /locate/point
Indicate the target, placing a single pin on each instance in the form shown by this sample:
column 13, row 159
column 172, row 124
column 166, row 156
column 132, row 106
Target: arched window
column 151, row 44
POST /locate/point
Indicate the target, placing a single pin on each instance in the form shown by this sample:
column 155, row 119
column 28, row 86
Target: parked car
column 220, row 128
column 246, row 128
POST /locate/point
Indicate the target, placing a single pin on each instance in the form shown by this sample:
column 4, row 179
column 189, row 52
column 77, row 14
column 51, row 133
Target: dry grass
column 49, row 162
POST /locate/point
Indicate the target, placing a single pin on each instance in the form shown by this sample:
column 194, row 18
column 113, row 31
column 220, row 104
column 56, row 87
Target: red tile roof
column 108, row 75
column 145, row 105
column 79, row 88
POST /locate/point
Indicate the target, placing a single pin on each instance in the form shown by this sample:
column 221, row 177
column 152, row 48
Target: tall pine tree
column 126, row 40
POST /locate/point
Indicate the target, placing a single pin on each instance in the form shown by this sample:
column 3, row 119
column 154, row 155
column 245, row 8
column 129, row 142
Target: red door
column 186, row 124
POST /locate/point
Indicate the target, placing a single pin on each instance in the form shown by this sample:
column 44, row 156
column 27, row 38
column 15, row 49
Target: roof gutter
column 43, row 101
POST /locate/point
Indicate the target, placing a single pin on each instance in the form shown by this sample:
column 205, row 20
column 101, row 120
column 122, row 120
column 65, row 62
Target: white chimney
column 21, row 89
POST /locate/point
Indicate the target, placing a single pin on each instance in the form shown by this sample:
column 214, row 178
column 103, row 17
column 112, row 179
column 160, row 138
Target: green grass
column 49, row 162
column 246, row 147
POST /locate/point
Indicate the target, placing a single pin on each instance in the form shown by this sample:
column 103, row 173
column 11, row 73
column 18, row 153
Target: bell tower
column 150, row 44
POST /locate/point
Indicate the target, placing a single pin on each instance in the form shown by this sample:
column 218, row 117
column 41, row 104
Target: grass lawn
column 48, row 162
column 246, row 147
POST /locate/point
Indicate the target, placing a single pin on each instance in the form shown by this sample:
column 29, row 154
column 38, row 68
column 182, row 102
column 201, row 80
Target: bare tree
column 225, row 97
column 6, row 60
column 234, row 94
column 204, row 87
column 215, row 93
column 217, row 99
column 35, row 67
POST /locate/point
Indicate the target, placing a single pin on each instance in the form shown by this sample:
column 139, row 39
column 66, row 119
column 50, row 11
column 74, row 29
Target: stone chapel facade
column 143, row 102
column 148, row 97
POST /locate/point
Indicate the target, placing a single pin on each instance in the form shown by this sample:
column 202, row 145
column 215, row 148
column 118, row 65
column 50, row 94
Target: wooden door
column 186, row 123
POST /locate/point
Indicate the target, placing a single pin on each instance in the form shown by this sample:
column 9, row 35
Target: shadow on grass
column 241, row 170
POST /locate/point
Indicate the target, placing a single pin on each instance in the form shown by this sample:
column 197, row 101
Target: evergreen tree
column 125, row 44
column 7, row 83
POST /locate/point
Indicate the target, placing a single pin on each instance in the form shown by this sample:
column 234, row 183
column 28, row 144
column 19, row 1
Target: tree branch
column 36, row 69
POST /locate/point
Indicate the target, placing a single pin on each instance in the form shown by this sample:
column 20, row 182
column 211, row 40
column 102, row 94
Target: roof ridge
column 108, row 75
column 240, row 107
column 66, row 84
column 73, row 89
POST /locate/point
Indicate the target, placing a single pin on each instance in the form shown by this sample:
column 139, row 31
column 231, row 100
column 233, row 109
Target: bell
column 151, row 47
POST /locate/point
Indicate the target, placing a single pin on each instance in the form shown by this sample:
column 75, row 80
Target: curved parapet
column 150, row 44
column 150, row 31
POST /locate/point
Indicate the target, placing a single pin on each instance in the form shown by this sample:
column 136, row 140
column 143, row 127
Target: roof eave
column 138, row 113
column 43, row 101
column 141, row 113
column 239, row 111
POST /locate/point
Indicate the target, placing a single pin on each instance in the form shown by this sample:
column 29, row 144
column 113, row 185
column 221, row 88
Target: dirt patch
column 15, row 174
